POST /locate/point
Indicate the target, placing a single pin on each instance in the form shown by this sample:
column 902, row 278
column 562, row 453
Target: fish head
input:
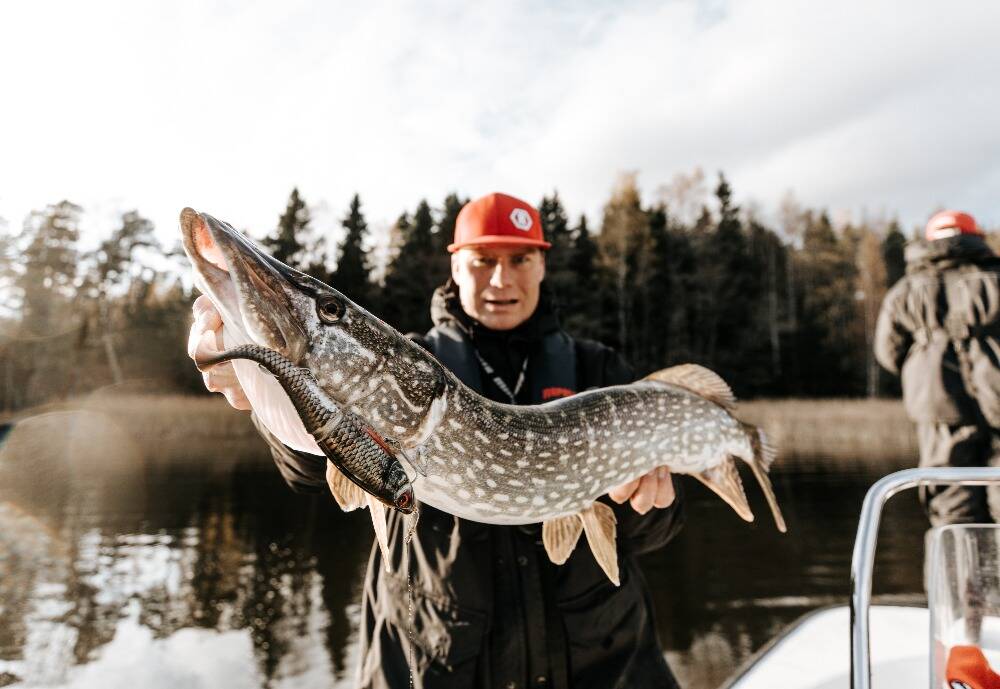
column 349, row 351
column 402, row 490
column 252, row 290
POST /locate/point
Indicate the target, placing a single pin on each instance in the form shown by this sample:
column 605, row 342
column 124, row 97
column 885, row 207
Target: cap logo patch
column 521, row 219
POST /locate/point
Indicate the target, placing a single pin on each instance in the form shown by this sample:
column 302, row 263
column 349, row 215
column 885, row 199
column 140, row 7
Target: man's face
column 498, row 286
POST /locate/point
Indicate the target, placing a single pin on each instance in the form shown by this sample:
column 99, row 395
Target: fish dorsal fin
column 697, row 379
column 724, row 480
column 347, row 494
column 377, row 510
column 560, row 535
column 599, row 525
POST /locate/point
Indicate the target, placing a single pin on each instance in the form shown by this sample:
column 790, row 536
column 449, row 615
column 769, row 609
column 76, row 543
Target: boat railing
column 863, row 557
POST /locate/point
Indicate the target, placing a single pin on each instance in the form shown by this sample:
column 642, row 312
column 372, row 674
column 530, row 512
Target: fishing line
column 411, row 522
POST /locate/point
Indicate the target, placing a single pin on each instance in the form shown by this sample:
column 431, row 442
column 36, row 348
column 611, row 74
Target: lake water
column 216, row 575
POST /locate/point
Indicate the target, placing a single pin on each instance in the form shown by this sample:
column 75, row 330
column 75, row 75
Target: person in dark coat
column 472, row 605
column 939, row 328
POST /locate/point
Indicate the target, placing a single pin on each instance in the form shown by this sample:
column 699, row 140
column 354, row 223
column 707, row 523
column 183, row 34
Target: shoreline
column 810, row 434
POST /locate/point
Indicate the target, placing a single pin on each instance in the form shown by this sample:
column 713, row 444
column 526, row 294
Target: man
column 939, row 325
column 467, row 604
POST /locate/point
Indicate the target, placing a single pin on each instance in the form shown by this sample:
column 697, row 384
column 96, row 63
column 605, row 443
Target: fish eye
column 330, row 309
column 404, row 500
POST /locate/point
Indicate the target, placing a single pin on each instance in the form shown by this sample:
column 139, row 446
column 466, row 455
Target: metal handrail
column 863, row 558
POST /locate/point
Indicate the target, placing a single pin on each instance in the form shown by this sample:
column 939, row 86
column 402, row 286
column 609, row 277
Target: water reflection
column 199, row 576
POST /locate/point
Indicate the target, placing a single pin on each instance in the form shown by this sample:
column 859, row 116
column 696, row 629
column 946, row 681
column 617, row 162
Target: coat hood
column 944, row 253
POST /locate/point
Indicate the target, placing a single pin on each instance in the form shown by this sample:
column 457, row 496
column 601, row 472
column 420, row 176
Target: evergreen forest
column 785, row 308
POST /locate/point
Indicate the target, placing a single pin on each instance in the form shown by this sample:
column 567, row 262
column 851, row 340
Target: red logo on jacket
column 555, row 393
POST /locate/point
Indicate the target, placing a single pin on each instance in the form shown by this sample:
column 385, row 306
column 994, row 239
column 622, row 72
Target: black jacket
column 477, row 605
column 939, row 326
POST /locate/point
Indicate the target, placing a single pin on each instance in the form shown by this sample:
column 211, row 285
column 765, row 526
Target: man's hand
column 655, row 489
column 206, row 338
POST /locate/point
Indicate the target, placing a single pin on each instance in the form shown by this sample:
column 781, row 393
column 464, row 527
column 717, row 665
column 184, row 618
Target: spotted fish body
column 467, row 455
column 501, row 464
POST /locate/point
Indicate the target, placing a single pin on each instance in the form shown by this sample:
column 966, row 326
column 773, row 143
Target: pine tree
column 871, row 289
column 828, row 348
column 409, row 283
column 50, row 329
column 625, row 247
column 892, row 254
column 673, row 287
column 581, row 306
column 727, row 332
column 286, row 245
column 559, row 277
column 444, row 233
column 113, row 266
column 49, row 261
column 351, row 276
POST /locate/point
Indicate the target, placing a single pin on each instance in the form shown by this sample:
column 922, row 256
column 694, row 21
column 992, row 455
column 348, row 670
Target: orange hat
column 967, row 666
column 950, row 223
column 498, row 220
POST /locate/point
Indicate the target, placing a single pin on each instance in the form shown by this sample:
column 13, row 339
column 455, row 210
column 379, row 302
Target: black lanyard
column 499, row 382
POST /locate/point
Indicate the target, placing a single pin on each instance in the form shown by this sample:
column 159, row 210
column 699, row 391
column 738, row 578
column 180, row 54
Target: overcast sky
column 875, row 107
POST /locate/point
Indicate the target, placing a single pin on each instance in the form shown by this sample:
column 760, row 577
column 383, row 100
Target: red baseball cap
column 950, row 223
column 498, row 220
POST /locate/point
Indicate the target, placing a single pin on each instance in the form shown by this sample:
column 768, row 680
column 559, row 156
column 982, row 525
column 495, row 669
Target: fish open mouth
column 253, row 292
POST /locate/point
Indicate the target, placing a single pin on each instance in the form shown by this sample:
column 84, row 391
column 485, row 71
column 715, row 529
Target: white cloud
column 225, row 106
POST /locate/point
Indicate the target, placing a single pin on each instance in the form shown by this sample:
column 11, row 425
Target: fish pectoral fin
column 599, row 524
column 377, row 510
column 560, row 535
column 760, row 472
column 697, row 379
column 724, row 480
column 345, row 491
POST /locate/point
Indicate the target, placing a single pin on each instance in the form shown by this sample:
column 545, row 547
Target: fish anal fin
column 347, row 494
column 724, row 480
column 599, row 524
column 698, row 379
column 560, row 535
column 377, row 510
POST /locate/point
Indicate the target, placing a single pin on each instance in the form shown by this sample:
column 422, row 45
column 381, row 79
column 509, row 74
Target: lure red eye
column 403, row 500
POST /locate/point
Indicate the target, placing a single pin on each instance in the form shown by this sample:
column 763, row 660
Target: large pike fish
column 466, row 455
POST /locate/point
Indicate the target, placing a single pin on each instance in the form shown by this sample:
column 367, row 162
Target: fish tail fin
column 724, row 480
column 764, row 454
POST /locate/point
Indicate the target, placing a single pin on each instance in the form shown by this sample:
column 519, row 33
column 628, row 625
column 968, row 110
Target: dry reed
column 836, row 433
column 809, row 434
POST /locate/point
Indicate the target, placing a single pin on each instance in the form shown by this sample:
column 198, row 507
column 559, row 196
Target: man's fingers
column 205, row 321
column 237, row 399
column 623, row 492
column 203, row 346
column 203, row 303
column 664, row 488
column 220, row 378
column 645, row 494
